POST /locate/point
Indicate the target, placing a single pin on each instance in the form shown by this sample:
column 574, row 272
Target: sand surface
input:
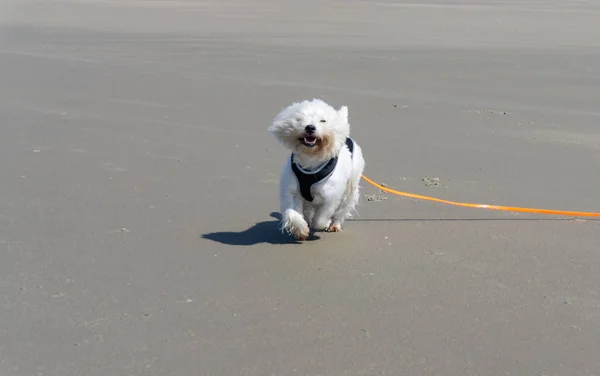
column 138, row 186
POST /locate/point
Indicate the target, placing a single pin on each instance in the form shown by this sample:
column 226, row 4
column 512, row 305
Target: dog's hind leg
column 344, row 210
column 347, row 205
column 352, row 194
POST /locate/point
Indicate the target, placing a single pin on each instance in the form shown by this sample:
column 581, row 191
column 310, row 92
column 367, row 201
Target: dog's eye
column 323, row 121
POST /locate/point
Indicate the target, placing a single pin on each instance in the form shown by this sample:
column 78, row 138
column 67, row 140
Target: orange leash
column 482, row 206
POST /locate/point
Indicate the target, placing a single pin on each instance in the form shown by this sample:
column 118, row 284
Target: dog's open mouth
column 309, row 141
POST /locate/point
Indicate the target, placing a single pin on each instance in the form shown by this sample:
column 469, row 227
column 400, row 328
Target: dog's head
column 313, row 130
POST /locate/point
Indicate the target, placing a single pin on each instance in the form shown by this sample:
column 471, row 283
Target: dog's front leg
column 292, row 220
column 322, row 219
column 309, row 213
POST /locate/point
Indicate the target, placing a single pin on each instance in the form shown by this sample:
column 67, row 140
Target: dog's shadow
column 263, row 232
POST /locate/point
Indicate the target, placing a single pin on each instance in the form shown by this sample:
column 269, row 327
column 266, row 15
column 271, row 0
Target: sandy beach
column 139, row 188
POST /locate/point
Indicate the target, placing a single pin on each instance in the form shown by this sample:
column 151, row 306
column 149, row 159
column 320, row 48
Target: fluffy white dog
column 319, row 186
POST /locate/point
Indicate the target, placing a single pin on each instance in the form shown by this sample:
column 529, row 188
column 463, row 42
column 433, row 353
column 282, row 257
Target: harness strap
column 306, row 181
column 350, row 145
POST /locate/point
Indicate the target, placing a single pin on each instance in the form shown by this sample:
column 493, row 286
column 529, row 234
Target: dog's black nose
column 310, row 129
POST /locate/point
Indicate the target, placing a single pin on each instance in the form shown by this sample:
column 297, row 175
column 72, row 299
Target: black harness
column 306, row 181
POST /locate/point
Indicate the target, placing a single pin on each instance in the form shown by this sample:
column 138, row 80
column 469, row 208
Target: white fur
column 334, row 197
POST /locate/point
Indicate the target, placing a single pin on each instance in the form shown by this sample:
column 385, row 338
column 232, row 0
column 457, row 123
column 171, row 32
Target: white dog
column 319, row 186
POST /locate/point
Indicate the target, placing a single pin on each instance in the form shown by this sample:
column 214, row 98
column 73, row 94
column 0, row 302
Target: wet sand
column 138, row 188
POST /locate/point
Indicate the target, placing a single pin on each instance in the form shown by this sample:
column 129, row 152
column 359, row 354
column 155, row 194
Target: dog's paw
column 295, row 225
column 334, row 227
column 302, row 235
column 299, row 231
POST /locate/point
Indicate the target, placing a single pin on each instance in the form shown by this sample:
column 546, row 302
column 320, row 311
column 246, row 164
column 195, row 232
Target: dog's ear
column 343, row 114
